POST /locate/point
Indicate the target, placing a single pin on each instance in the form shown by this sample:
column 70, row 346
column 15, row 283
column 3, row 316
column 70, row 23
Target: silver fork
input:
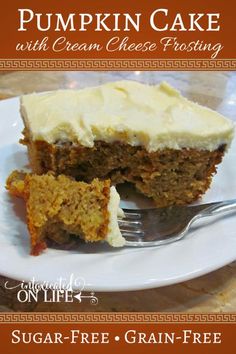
column 159, row 226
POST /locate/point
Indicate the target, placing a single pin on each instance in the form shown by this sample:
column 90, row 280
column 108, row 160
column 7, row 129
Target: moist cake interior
column 58, row 207
column 167, row 176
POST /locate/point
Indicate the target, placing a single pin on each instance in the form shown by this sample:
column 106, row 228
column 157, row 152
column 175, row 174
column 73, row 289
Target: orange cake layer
column 168, row 176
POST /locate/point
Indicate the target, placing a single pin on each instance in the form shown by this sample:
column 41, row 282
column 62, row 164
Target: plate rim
column 147, row 285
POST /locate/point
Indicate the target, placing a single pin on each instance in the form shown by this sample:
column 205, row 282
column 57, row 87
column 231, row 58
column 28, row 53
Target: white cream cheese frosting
column 155, row 117
column 114, row 237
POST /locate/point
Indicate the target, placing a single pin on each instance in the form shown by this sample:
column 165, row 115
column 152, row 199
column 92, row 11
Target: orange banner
column 129, row 332
column 122, row 35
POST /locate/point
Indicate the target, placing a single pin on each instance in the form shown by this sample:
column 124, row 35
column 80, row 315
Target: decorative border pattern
column 122, row 317
column 117, row 64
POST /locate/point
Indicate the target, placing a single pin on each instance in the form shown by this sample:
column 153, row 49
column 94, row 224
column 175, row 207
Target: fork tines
column 130, row 225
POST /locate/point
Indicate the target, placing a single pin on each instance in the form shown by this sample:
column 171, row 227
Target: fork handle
column 220, row 208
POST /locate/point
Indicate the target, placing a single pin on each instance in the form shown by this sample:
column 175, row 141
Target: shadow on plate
column 131, row 198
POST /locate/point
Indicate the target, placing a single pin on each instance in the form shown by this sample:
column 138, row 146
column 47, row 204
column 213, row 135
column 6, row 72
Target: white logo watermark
column 62, row 290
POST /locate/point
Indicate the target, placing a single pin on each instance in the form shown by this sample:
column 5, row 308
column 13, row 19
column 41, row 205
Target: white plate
column 207, row 247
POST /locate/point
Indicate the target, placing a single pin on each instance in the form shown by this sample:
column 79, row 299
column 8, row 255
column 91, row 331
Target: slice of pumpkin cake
column 150, row 136
column 58, row 207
